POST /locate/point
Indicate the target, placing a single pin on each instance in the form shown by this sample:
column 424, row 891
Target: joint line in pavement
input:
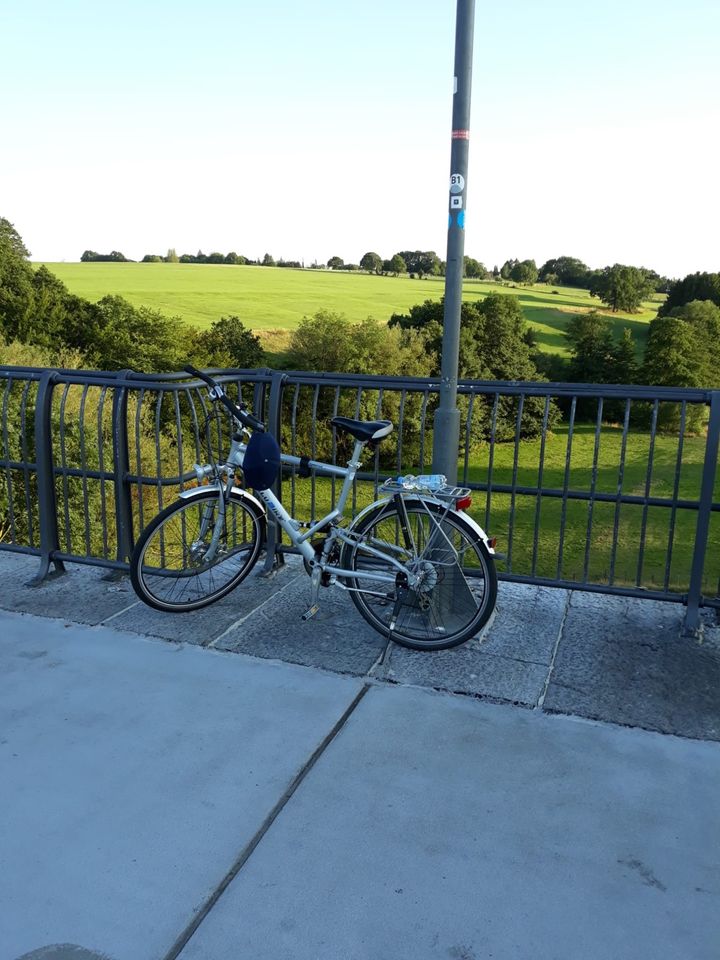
column 182, row 941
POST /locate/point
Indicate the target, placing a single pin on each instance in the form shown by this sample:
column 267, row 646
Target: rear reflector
column 491, row 542
column 463, row 503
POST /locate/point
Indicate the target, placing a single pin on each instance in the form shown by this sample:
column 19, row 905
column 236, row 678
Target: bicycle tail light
column 463, row 503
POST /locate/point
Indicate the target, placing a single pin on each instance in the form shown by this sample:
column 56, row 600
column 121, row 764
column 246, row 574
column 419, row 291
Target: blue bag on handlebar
column 262, row 461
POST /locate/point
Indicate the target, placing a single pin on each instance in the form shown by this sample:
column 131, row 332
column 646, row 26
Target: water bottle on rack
column 426, row 481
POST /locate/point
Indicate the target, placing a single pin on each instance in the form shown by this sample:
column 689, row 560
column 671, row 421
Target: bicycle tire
column 456, row 597
column 167, row 569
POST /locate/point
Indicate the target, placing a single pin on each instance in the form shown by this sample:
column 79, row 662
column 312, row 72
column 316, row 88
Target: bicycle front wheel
column 170, row 569
column 449, row 588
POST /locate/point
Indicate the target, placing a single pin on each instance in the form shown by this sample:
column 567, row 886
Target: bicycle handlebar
column 239, row 411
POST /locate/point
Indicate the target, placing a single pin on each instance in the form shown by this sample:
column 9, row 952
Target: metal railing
column 604, row 488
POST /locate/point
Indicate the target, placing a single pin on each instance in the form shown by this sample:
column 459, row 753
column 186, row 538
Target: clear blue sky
column 316, row 129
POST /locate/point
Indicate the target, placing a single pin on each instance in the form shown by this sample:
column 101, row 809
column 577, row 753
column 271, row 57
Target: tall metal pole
column 446, row 435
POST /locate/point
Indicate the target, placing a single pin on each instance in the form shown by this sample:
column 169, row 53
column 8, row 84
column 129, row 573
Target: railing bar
column 24, row 450
column 593, row 484
column 400, row 430
column 358, row 396
column 63, row 461
column 158, row 469
column 333, row 436
column 313, row 447
column 293, row 445
column 6, row 444
column 566, row 485
column 84, row 465
column 541, row 470
column 648, row 482
column 196, row 426
column 513, row 485
column 101, row 468
column 468, row 422
column 138, row 457
column 491, row 460
column 676, row 491
column 423, row 421
column 621, row 475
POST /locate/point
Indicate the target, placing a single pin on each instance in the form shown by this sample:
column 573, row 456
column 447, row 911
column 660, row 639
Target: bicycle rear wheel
column 456, row 587
column 169, row 569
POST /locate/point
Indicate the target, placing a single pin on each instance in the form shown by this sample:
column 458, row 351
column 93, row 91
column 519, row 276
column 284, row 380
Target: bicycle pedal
column 310, row 612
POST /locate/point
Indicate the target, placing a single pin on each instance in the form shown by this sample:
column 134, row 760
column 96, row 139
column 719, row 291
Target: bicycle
column 417, row 567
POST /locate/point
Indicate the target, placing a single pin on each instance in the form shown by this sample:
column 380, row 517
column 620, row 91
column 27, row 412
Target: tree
column 595, row 356
column 335, row 263
column 621, row 287
column 171, row 256
column 90, row 256
column 493, row 346
column 695, row 286
column 524, row 272
column 268, row 261
column 152, row 258
column 371, row 262
column 507, row 268
column 568, row 271
column 11, row 241
column 397, row 265
column 474, row 270
column 422, row 262
column 228, row 343
column 674, row 354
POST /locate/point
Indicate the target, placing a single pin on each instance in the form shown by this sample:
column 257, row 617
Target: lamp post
column 446, row 434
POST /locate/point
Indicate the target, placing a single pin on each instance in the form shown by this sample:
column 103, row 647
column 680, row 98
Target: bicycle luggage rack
column 446, row 492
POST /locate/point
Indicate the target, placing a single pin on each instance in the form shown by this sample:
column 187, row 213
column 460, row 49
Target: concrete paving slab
column 205, row 625
column 527, row 622
column 81, row 595
column 508, row 661
column 624, row 660
column 133, row 772
column 467, row 669
column 441, row 827
column 336, row 638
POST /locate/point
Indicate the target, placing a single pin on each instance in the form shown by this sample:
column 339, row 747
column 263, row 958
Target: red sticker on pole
column 461, row 134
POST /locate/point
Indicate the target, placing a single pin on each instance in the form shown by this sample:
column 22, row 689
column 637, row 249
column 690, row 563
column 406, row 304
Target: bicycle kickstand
column 314, row 594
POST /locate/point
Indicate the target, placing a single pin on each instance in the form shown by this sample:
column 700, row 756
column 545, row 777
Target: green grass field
column 276, row 299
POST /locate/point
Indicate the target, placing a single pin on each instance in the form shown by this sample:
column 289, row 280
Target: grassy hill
column 269, row 299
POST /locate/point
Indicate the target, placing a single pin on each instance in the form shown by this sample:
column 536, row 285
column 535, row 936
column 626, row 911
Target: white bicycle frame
column 300, row 537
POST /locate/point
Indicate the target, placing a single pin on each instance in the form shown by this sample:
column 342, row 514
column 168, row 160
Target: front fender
column 238, row 491
column 458, row 513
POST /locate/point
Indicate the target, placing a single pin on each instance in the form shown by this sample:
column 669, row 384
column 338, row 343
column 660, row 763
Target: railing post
column 273, row 548
column 121, row 471
column 45, row 473
column 694, row 600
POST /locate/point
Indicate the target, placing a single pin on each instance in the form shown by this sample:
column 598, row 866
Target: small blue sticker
column 461, row 219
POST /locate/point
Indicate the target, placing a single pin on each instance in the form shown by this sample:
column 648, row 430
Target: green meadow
column 269, row 299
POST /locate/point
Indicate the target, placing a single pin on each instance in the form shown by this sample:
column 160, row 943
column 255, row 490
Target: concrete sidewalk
column 589, row 655
column 161, row 801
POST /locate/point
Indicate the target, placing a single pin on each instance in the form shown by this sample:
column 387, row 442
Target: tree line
column 683, row 346
column 620, row 286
